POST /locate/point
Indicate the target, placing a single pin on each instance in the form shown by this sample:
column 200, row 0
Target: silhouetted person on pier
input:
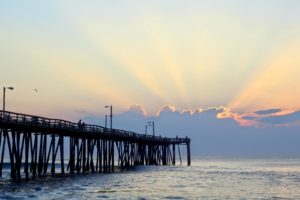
column 79, row 124
column 83, row 125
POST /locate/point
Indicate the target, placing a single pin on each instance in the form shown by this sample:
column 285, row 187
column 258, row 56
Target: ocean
column 207, row 178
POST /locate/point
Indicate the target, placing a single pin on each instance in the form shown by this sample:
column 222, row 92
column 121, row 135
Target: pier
column 38, row 146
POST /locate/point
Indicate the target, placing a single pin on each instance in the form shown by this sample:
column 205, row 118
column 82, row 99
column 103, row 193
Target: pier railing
column 42, row 122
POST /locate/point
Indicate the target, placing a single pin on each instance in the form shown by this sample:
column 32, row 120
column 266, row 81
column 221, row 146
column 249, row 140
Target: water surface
column 207, row 178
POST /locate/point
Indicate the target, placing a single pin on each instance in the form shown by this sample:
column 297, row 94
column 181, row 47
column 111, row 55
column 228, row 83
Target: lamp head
column 10, row 88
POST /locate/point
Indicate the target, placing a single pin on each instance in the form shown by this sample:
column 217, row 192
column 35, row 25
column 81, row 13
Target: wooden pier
column 37, row 146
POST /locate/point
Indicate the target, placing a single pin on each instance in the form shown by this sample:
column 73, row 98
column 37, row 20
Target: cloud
column 137, row 109
column 269, row 111
column 288, row 119
column 263, row 118
column 241, row 119
column 166, row 109
column 218, row 130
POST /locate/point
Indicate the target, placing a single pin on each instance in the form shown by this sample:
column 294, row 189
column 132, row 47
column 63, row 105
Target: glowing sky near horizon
column 82, row 55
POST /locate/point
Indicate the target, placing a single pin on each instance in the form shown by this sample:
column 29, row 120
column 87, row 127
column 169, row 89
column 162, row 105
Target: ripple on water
column 37, row 188
column 102, row 197
column 174, row 197
column 141, row 198
column 105, row 191
column 9, row 197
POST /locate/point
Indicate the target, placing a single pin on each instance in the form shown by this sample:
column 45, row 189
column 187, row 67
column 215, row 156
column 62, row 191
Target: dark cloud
column 213, row 136
column 249, row 117
column 266, row 112
column 283, row 119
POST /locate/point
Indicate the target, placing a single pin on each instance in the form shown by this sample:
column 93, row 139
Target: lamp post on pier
column 110, row 115
column 4, row 91
column 153, row 129
column 146, row 127
column 105, row 121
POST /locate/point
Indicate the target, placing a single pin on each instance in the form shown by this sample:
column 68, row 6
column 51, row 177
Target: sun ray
column 126, row 59
column 161, row 44
column 276, row 85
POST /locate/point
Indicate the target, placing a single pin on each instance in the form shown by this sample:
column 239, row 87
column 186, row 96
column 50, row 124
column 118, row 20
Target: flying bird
column 35, row 90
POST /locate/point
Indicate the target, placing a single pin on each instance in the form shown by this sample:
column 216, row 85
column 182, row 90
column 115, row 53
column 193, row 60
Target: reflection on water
column 207, row 178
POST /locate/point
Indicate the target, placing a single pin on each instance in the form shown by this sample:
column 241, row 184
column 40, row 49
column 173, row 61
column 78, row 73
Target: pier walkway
column 37, row 146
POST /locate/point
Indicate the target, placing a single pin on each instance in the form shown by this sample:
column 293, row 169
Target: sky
column 212, row 64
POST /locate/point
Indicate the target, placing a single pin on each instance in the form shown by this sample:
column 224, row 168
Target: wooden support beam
column 26, row 164
column 11, row 154
column 99, row 144
column 174, row 155
column 53, row 155
column 79, row 150
column 87, row 167
column 72, row 155
column 62, row 161
column 179, row 153
column 45, row 158
column 34, row 154
column 3, row 151
column 113, row 155
column 40, row 164
column 188, row 154
column 104, row 156
column 109, row 156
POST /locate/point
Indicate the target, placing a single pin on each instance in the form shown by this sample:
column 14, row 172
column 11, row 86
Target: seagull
column 35, row 90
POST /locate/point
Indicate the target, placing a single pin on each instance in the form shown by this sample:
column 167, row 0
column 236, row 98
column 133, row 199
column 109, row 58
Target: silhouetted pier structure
column 37, row 146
